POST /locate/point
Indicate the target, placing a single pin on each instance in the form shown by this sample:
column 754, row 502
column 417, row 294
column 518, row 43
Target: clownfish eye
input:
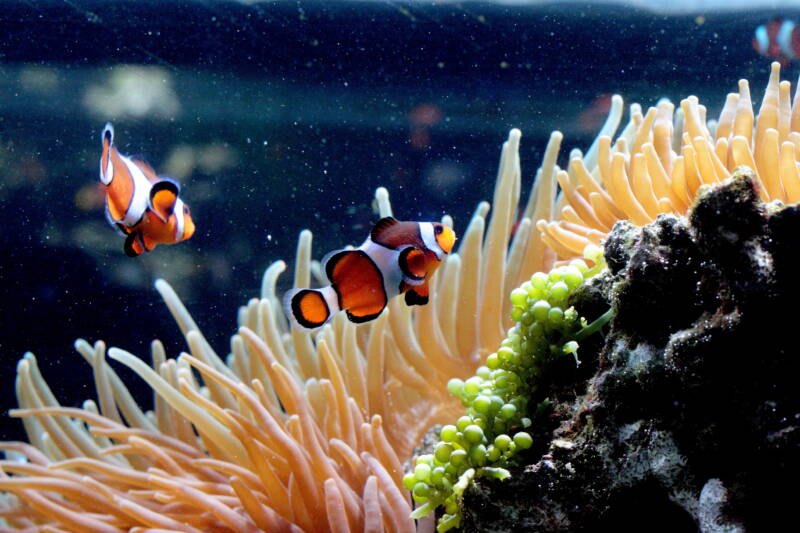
column 438, row 229
column 186, row 209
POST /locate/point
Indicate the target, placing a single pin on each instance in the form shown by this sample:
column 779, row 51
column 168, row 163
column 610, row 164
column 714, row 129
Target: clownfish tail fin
column 309, row 309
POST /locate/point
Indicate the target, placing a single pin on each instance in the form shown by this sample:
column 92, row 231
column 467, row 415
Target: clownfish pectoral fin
column 134, row 245
column 148, row 243
column 163, row 196
column 106, row 167
column 412, row 264
column 119, row 227
column 310, row 309
column 418, row 295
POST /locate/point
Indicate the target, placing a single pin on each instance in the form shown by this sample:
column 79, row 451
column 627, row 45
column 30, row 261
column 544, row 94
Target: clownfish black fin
column 163, row 196
column 381, row 226
column 412, row 265
column 417, row 295
column 356, row 318
column 309, row 309
column 133, row 244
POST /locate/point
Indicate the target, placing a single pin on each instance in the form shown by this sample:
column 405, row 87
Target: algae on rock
column 689, row 417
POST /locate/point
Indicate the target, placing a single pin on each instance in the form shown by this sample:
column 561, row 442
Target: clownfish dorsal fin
column 106, row 167
column 146, row 169
column 107, row 137
column 163, row 196
column 381, row 226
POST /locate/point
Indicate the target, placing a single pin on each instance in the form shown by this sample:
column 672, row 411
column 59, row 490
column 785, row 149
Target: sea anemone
column 296, row 431
column 661, row 159
column 292, row 431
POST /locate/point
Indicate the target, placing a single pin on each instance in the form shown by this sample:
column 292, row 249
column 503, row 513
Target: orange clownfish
column 397, row 258
column 143, row 207
column 778, row 39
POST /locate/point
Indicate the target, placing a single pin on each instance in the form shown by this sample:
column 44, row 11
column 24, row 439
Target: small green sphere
column 572, row 276
column 409, row 480
column 449, row 433
column 483, row 372
column 425, row 458
column 458, row 458
column 481, row 404
column 516, row 314
column 472, row 386
column 421, row 490
column 523, row 440
column 558, row 292
column 557, row 274
column 455, row 387
column 442, row 452
column 493, row 361
column 493, row 454
column 473, row 434
column 501, row 382
column 539, row 280
column 526, row 319
column 437, row 476
column 463, row 422
column 477, row 454
column 497, row 403
column 518, row 297
column 502, row 442
column 540, row 310
column 419, row 499
column 422, row 472
column 580, row 264
column 593, row 253
column 508, row 411
column 505, row 354
column 555, row 316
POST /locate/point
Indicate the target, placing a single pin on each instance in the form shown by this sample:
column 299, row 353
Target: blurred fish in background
column 778, row 39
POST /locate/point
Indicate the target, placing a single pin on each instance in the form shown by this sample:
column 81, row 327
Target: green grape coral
column 484, row 441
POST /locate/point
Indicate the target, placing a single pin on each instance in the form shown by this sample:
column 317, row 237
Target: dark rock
column 690, row 417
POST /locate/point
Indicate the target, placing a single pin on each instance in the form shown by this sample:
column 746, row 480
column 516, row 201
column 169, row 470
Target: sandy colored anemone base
column 660, row 160
column 290, row 432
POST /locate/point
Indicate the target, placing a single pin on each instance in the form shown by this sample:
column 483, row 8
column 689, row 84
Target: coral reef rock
column 690, row 420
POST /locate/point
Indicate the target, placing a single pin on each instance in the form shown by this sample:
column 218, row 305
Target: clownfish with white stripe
column 778, row 39
column 397, row 258
column 142, row 206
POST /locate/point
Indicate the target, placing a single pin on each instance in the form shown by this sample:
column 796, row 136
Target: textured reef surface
column 687, row 416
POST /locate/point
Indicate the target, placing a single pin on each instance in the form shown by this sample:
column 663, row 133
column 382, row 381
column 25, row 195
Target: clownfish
column 142, row 206
column 397, row 258
column 778, row 39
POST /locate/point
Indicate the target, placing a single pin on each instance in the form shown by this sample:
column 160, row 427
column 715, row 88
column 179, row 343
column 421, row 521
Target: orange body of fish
column 397, row 258
column 145, row 208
